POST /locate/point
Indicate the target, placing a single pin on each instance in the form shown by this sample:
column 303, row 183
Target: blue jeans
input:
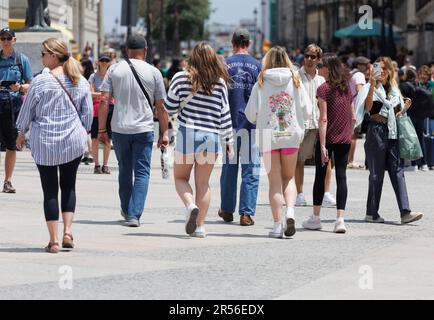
column 248, row 152
column 134, row 153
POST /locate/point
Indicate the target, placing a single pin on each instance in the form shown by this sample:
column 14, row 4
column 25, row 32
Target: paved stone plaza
column 158, row 261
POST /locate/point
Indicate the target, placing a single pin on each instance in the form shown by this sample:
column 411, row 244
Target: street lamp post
column 129, row 24
column 255, row 35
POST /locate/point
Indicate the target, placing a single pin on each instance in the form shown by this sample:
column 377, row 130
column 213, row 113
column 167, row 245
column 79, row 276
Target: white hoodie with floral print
column 280, row 110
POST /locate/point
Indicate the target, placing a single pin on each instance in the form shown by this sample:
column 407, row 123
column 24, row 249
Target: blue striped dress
column 203, row 112
column 58, row 133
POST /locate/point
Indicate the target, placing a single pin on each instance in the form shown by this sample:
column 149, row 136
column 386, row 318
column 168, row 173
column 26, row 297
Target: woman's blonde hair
column 71, row 67
column 392, row 71
column 205, row 69
column 278, row 58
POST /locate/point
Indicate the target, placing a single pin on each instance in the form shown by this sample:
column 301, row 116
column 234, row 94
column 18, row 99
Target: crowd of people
column 239, row 108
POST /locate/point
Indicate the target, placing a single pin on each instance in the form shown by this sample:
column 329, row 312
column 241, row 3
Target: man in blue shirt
column 244, row 71
column 15, row 77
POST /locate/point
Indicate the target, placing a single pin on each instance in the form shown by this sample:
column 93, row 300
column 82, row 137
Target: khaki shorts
column 307, row 147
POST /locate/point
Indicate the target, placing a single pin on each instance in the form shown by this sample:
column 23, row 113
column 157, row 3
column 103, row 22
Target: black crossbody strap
column 67, row 92
column 139, row 82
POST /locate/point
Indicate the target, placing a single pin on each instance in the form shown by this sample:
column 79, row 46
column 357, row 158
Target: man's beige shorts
column 307, row 147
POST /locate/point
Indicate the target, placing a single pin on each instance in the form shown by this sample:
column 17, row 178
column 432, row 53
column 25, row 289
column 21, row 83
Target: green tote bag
column 409, row 146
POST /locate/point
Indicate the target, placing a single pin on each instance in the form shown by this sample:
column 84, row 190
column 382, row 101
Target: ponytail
column 71, row 67
column 73, row 70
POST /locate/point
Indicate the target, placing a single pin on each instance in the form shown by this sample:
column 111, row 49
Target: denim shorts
column 194, row 141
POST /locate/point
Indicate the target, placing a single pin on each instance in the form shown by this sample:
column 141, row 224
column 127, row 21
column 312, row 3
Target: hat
column 8, row 31
column 361, row 60
column 104, row 57
column 136, row 42
column 241, row 36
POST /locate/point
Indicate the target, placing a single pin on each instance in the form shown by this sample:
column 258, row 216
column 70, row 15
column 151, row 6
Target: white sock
column 277, row 225
column 327, row 194
column 191, row 207
column 290, row 213
column 340, row 220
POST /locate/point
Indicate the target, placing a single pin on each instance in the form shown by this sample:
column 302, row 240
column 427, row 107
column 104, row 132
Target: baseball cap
column 104, row 57
column 361, row 60
column 8, row 31
column 241, row 36
column 135, row 42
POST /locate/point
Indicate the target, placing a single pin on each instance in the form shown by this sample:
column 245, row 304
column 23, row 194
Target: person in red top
column 337, row 120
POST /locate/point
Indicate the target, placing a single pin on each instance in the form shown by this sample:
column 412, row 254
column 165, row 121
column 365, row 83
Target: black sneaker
column 8, row 188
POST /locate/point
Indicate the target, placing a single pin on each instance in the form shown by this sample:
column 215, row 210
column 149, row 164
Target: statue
column 38, row 15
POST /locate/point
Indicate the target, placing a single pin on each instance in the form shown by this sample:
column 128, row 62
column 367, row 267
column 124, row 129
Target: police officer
column 15, row 77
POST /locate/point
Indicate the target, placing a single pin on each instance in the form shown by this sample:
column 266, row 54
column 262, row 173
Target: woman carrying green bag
column 382, row 100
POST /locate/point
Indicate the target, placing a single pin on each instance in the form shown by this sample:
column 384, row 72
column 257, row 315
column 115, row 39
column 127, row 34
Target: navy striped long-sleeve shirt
column 203, row 112
column 58, row 131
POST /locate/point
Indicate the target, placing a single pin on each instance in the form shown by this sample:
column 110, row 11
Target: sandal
column 97, row 170
column 52, row 248
column 105, row 170
column 68, row 241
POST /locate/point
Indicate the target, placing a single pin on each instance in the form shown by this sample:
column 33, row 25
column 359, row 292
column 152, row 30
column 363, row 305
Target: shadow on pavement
column 105, row 223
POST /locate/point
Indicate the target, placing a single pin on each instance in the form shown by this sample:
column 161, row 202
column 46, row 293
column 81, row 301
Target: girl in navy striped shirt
column 200, row 96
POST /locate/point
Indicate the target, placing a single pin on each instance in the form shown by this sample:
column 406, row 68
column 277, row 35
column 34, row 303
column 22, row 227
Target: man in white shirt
column 133, row 124
column 358, row 80
column 312, row 81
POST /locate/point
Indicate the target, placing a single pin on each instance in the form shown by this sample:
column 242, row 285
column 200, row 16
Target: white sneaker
column 199, row 233
column 277, row 232
column 329, row 200
column 424, row 168
column 191, row 219
column 340, row 227
column 301, row 200
column 313, row 223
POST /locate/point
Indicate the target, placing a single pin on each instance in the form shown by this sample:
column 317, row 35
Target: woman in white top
column 280, row 106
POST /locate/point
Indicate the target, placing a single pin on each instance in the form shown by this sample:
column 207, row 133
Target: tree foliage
column 191, row 17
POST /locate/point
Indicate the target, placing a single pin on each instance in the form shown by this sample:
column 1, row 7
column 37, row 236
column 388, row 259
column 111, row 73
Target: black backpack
column 423, row 103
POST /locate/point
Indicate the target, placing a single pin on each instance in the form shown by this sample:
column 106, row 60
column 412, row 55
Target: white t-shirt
column 132, row 113
column 358, row 78
column 312, row 85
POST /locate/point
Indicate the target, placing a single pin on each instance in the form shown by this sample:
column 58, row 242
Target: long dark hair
column 338, row 75
column 88, row 68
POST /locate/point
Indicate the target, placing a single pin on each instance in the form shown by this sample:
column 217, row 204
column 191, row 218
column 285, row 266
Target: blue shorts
column 193, row 141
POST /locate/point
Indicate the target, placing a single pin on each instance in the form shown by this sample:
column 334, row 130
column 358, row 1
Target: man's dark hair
column 241, row 38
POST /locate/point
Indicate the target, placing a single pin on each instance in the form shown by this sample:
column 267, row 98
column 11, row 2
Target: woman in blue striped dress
column 58, row 108
column 200, row 96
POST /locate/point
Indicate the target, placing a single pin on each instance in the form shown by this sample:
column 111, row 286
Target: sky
column 225, row 11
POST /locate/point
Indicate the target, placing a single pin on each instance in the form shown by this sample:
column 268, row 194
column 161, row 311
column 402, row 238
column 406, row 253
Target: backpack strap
column 19, row 64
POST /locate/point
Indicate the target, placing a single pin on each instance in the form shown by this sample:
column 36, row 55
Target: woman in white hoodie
column 279, row 106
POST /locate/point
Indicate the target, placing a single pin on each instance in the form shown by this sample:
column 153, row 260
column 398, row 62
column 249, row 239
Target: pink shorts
column 285, row 152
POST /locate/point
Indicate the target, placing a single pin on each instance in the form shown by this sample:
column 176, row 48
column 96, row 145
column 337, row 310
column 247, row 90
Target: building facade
column 295, row 23
column 4, row 13
column 81, row 20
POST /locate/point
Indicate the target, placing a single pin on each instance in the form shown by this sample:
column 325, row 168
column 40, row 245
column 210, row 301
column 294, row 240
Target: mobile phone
column 377, row 69
column 7, row 83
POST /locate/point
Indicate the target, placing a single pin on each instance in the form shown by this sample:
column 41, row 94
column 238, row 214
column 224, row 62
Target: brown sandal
column 68, row 241
column 52, row 248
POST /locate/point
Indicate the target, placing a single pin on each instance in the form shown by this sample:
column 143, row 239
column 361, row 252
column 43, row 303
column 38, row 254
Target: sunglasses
column 309, row 56
column 4, row 38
